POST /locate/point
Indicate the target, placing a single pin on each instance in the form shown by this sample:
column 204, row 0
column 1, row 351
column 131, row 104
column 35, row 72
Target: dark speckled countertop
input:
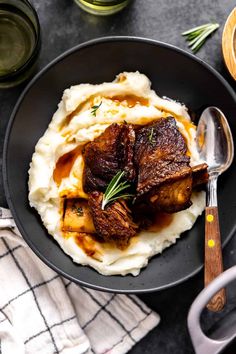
column 65, row 25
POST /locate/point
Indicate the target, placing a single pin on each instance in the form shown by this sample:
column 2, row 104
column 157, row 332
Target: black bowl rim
column 8, row 131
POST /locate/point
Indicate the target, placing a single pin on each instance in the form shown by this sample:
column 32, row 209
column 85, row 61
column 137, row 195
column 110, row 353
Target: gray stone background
column 64, row 25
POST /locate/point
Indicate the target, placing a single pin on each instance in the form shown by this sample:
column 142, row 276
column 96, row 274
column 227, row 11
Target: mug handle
column 202, row 343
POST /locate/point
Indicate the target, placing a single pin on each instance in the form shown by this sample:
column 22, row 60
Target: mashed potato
column 129, row 98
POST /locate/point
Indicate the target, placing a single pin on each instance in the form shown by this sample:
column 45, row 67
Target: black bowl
column 174, row 73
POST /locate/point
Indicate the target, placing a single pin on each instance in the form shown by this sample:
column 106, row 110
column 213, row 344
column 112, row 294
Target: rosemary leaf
column 203, row 37
column 124, row 196
column 80, row 211
column 197, row 36
column 117, row 189
column 95, row 108
column 115, row 180
column 191, row 30
column 114, row 190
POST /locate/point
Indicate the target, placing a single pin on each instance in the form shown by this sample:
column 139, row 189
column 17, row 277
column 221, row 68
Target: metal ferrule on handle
column 212, row 191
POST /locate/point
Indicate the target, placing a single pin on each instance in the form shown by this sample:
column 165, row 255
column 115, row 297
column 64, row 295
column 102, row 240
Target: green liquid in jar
column 102, row 7
column 17, row 39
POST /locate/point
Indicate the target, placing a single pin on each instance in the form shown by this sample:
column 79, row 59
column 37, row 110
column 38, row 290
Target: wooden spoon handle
column 213, row 256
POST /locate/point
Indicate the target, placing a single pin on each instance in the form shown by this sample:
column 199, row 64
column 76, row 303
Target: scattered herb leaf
column 150, row 136
column 79, row 211
column 95, row 108
column 114, row 190
column 197, row 36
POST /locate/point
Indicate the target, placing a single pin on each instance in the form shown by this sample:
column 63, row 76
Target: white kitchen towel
column 42, row 312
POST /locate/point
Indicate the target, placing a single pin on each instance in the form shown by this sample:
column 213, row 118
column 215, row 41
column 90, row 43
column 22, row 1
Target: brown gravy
column 87, row 244
column 65, row 163
column 160, row 221
column 187, row 125
column 131, row 100
column 127, row 100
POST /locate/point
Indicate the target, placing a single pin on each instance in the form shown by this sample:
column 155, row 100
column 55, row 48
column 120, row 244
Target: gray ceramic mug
column 225, row 334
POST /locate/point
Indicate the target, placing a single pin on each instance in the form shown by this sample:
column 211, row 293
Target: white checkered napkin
column 41, row 312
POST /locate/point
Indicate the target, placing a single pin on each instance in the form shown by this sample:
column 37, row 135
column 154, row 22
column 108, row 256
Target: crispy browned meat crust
column 127, row 141
column 200, row 175
column 164, row 173
column 144, row 210
column 111, row 152
column 172, row 196
column 114, row 223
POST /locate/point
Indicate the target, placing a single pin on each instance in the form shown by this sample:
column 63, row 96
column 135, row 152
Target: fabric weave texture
column 42, row 312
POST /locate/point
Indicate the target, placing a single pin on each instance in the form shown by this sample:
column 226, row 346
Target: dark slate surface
column 65, row 25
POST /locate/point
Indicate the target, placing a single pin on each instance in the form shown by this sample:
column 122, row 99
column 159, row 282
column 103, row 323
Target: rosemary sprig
column 197, row 36
column 95, row 108
column 114, row 190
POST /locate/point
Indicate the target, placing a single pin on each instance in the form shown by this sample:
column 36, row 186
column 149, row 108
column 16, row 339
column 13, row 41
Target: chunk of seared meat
column 111, row 152
column 114, row 224
column 200, row 174
column 164, row 173
column 162, row 197
column 172, row 196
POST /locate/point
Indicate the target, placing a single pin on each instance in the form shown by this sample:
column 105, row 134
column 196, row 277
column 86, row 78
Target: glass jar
column 19, row 41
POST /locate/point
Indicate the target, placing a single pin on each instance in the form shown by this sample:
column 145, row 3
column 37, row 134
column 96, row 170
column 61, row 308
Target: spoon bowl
column 216, row 148
column 215, row 141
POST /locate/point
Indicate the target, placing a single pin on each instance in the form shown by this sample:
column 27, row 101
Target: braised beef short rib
column 111, row 152
column 164, row 172
column 114, row 223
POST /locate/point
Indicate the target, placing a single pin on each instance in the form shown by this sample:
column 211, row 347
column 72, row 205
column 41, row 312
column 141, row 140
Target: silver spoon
column 216, row 148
